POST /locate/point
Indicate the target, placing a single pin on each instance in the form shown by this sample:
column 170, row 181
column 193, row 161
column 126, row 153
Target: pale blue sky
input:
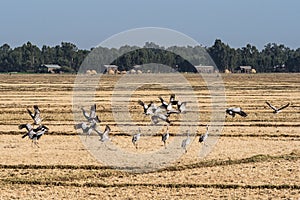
column 88, row 23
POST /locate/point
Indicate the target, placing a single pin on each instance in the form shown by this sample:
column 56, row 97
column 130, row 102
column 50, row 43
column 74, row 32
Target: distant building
column 110, row 68
column 51, row 68
column 205, row 69
column 243, row 69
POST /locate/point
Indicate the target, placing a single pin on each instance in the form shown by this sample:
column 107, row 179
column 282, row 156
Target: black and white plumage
column 165, row 105
column 85, row 128
column 36, row 115
column 172, row 100
column 148, row 109
column 38, row 134
column 165, row 137
column 277, row 110
column 236, row 110
column 104, row 136
column 186, row 142
column 168, row 106
column 203, row 137
column 34, row 134
column 91, row 117
column 29, row 129
column 160, row 116
column 136, row 138
column 181, row 106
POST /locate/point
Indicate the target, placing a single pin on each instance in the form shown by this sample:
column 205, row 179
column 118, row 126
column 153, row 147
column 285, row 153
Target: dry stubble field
column 256, row 157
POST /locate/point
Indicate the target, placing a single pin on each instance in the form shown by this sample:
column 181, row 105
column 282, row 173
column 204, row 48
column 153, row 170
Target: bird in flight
column 92, row 117
column 277, row 110
column 149, row 109
column 236, row 110
column 104, row 136
column 160, row 116
column 36, row 115
column 85, row 128
column 34, row 134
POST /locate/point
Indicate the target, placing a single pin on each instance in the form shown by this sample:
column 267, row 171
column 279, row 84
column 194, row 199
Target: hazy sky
column 87, row 23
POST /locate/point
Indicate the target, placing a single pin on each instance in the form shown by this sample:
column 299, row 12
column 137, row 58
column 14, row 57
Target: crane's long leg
column 36, row 143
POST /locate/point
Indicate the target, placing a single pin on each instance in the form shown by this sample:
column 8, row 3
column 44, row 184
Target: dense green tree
column 221, row 54
column 293, row 62
column 28, row 57
column 5, row 62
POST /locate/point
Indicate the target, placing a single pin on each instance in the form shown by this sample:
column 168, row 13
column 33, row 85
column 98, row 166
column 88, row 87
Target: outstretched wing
column 181, row 107
column 80, row 125
column 93, row 111
column 27, row 126
column 104, row 136
column 242, row 113
column 30, row 113
column 283, row 107
column 271, row 106
column 163, row 102
column 145, row 107
column 172, row 100
column 107, row 130
column 36, row 110
column 141, row 103
column 172, row 97
column 96, row 119
column 85, row 114
column 40, row 133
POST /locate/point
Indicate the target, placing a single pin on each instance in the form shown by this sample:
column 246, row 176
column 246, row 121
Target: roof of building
column 52, row 66
column 111, row 66
column 245, row 67
column 204, row 67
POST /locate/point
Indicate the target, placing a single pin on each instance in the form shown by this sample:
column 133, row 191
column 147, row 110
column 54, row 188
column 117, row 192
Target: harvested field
column 256, row 157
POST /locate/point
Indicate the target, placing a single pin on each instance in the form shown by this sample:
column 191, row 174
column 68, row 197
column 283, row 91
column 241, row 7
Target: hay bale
column 132, row 71
column 139, row 72
column 93, row 72
column 88, row 72
column 253, row 71
column 111, row 72
column 124, row 72
column 227, row 71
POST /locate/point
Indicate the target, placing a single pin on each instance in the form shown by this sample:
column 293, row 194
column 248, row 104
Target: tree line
column 272, row 58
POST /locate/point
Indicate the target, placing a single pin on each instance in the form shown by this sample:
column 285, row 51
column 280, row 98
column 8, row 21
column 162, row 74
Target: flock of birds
column 157, row 114
column 91, row 124
column 162, row 112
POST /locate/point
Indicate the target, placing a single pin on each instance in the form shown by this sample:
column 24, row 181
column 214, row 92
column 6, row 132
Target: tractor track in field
column 202, row 164
column 158, row 185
